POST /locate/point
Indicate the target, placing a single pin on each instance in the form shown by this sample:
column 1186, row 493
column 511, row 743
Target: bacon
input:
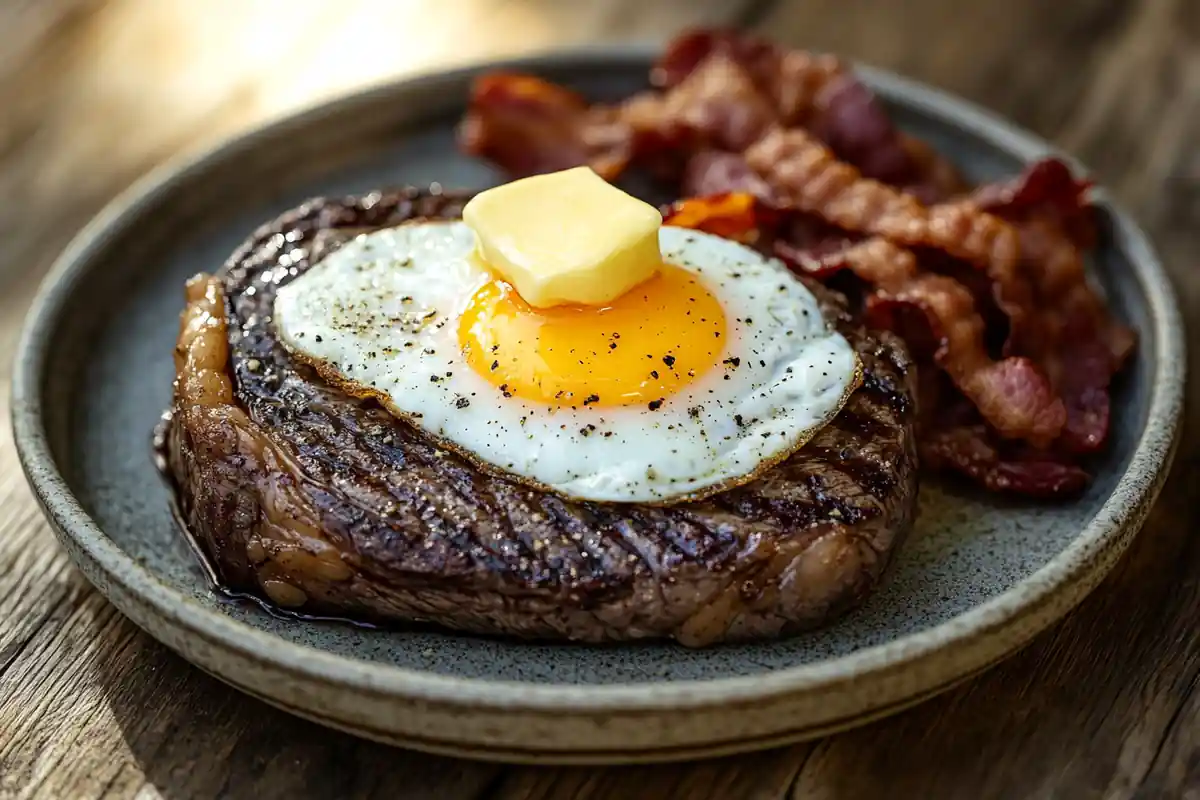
column 717, row 105
column 528, row 126
column 717, row 88
column 791, row 79
column 802, row 89
column 806, row 175
column 712, row 172
column 1013, row 394
column 968, row 451
column 1077, row 340
column 688, row 50
column 1046, row 189
column 854, row 125
column 808, row 244
column 935, row 178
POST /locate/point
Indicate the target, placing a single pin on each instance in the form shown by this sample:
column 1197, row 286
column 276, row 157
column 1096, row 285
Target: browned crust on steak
column 326, row 503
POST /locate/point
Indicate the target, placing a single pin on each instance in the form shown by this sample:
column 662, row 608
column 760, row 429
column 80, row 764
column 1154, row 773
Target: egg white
column 382, row 312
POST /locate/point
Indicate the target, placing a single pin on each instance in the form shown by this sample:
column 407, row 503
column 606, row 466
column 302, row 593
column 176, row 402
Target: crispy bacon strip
column 714, row 172
column 808, row 244
column 1077, row 340
column 967, row 450
column 851, row 121
column 807, row 176
column 790, row 79
column 719, row 89
column 717, row 105
column 803, row 89
column 527, row 126
column 951, row 437
column 1012, row 394
column 936, row 178
column 1046, row 189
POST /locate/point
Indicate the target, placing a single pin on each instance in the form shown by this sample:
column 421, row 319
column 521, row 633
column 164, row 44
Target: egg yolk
column 641, row 348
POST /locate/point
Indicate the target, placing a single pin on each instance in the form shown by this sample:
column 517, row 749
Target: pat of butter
column 566, row 237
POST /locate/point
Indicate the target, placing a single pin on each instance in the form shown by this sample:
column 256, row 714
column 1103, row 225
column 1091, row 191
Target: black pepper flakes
column 733, row 361
column 591, row 398
column 495, row 365
column 654, row 405
column 669, row 360
column 654, row 374
column 462, row 402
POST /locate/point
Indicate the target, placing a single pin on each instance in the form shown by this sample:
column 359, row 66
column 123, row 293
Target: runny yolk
column 642, row 348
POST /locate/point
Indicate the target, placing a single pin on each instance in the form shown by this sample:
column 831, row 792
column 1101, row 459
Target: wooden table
column 92, row 94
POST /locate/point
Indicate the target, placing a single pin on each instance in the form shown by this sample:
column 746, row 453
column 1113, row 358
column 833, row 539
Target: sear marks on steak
column 327, row 504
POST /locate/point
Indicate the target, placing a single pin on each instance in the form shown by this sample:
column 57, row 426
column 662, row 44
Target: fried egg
column 695, row 381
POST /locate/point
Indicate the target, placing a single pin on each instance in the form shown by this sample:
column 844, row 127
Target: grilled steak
column 325, row 503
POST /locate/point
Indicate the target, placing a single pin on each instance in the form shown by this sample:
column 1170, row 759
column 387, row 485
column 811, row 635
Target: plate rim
column 1094, row 549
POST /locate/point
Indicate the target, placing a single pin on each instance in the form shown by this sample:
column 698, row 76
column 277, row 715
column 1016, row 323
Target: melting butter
column 566, row 237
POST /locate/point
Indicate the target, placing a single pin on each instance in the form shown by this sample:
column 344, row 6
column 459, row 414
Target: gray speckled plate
column 976, row 582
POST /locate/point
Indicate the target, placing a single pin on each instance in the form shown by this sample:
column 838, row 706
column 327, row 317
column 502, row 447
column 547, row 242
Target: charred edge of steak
column 328, row 504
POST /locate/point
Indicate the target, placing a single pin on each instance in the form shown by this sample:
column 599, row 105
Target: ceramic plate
column 977, row 580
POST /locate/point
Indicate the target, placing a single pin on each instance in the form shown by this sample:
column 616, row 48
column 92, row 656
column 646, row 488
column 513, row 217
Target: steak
column 324, row 503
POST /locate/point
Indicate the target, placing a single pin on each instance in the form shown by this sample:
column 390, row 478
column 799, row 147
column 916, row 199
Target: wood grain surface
column 93, row 93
